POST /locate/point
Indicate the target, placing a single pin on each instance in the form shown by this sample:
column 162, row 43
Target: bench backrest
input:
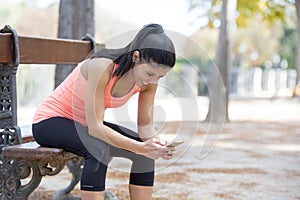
column 15, row 50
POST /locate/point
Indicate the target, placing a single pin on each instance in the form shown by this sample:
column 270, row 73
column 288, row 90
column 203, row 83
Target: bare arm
column 146, row 130
column 98, row 76
column 145, row 113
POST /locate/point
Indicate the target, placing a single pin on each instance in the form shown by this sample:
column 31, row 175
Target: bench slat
column 46, row 51
column 32, row 151
column 28, row 138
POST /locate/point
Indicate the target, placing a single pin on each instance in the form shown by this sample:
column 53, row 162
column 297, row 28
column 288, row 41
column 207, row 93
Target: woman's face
column 149, row 73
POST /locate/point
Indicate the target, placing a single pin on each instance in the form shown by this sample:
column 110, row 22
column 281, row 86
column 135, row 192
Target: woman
column 72, row 116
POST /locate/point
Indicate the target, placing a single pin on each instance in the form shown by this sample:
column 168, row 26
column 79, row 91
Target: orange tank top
column 68, row 99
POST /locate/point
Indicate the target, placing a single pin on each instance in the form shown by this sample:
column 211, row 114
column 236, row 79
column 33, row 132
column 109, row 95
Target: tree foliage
column 259, row 22
column 288, row 47
column 268, row 10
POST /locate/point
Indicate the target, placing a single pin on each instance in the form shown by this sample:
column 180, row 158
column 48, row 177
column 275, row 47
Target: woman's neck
column 123, row 85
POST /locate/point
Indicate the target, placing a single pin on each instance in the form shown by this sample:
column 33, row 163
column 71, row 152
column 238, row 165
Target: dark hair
column 153, row 46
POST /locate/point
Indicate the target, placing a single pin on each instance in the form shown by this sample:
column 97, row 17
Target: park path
column 251, row 158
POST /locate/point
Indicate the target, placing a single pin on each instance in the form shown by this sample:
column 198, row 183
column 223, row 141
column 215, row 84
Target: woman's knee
column 93, row 175
column 142, row 164
column 142, row 171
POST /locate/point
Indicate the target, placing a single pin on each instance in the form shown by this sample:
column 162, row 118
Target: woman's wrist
column 138, row 148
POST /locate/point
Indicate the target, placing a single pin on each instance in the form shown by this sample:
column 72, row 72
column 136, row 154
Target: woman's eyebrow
column 150, row 72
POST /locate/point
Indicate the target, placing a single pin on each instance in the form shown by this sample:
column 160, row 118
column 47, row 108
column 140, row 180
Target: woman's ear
column 135, row 56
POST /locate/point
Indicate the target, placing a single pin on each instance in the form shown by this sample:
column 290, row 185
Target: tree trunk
column 76, row 19
column 297, row 3
column 219, row 89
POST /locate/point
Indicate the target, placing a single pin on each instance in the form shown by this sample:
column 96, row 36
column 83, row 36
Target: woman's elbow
column 96, row 130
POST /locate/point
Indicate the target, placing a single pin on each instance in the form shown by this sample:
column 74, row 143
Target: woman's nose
column 153, row 80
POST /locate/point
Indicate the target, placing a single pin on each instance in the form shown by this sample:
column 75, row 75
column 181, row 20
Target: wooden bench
column 20, row 156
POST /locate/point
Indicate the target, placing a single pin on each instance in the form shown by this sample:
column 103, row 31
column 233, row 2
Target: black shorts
column 67, row 134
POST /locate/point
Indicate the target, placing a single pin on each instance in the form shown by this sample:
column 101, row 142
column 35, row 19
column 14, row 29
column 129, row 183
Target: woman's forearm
column 152, row 148
column 114, row 138
column 147, row 132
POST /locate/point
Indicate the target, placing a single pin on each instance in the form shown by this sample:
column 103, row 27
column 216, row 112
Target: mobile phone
column 174, row 143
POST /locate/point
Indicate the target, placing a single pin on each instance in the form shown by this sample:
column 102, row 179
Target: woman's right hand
column 154, row 148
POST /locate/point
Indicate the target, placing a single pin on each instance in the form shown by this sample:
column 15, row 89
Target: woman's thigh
column 141, row 164
column 64, row 133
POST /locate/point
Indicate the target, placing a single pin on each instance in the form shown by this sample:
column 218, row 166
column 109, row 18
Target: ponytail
column 153, row 46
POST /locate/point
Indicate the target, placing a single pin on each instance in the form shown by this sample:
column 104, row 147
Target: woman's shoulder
column 97, row 65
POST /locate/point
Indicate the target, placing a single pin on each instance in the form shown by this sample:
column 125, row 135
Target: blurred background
column 238, row 61
column 261, row 51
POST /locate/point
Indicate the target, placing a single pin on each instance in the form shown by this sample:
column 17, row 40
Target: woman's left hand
column 169, row 153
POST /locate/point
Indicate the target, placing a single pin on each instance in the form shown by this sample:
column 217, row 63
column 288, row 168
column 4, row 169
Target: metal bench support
column 13, row 171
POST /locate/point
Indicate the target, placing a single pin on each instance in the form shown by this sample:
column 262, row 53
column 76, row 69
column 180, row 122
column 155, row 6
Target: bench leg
column 75, row 167
column 12, row 172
